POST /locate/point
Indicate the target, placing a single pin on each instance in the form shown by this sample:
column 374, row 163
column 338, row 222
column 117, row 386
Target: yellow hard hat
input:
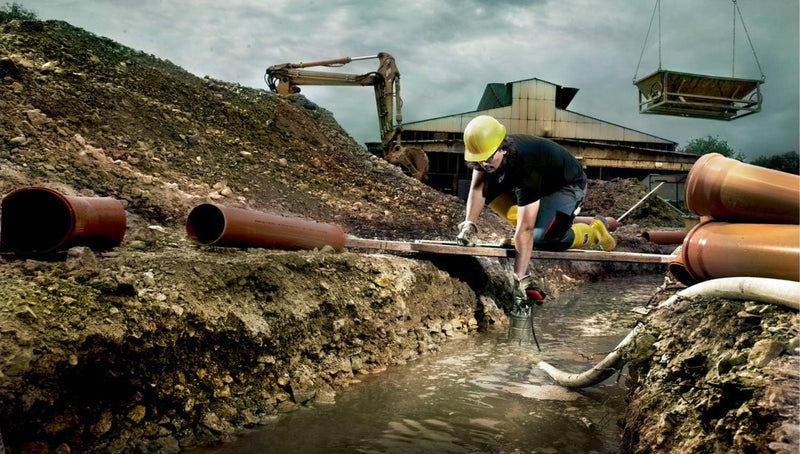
column 482, row 136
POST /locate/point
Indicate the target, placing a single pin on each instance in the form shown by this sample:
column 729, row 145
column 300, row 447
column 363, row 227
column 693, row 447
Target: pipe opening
column 35, row 220
column 205, row 224
column 681, row 273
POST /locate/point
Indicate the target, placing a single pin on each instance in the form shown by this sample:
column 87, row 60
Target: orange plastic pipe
column 664, row 236
column 678, row 269
column 38, row 220
column 727, row 189
column 612, row 222
column 721, row 249
column 219, row 225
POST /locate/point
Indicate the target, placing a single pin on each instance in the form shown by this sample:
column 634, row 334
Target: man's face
column 493, row 162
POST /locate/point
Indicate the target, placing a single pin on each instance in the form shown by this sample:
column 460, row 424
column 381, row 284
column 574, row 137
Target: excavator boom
column 286, row 78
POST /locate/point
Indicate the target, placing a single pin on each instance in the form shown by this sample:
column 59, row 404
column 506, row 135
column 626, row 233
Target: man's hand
column 526, row 290
column 468, row 232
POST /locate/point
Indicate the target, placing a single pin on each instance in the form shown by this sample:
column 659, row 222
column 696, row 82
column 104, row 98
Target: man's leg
column 553, row 230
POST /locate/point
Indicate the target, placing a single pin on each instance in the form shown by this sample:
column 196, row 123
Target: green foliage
column 710, row 144
column 15, row 11
column 787, row 162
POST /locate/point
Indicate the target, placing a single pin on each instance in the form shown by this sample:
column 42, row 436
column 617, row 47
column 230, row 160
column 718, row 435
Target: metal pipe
column 664, row 236
column 727, row 189
column 721, row 249
column 39, row 220
column 218, row 225
column 773, row 291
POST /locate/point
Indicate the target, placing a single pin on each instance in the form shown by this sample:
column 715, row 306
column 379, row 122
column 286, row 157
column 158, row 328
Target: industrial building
column 538, row 107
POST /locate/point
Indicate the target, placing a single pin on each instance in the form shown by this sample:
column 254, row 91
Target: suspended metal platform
column 693, row 95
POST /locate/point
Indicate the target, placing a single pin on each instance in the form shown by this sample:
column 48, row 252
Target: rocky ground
column 162, row 344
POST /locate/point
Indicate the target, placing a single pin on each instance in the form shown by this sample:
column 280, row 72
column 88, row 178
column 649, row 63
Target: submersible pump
column 521, row 326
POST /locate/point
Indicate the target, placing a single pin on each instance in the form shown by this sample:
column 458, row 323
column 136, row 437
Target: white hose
column 765, row 290
column 602, row 370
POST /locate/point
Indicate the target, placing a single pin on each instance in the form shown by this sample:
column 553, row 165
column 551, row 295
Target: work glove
column 526, row 292
column 468, row 233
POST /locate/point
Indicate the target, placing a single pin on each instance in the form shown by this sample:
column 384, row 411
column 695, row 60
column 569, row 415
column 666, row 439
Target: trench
column 481, row 393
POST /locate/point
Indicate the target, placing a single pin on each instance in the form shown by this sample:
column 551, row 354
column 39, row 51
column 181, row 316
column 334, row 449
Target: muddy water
column 481, row 394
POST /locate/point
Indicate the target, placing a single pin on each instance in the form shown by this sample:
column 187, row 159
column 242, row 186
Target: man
column 546, row 182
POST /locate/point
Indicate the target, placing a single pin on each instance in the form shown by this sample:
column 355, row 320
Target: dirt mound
column 615, row 197
column 84, row 114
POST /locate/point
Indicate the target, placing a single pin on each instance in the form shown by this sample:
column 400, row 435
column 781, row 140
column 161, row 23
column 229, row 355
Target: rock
column 137, row 244
column 325, row 395
column 37, row 118
column 149, row 278
column 137, row 414
column 302, row 389
column 212, row 421
column 81, row 257
column 103, row 424
column 765, row 351
column 19, row 140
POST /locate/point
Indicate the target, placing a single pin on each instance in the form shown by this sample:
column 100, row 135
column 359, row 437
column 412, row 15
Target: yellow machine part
column 505, row 206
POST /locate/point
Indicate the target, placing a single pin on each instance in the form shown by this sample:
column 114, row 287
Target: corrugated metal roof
column 495, row 95
column 538, row 107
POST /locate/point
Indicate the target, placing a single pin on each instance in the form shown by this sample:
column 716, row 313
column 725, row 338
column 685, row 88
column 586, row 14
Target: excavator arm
column 286, row 78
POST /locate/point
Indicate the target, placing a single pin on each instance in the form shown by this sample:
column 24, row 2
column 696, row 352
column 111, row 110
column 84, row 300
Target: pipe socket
column 727, row 189
column 39, row 220
column 217, row 225
column 721, row 249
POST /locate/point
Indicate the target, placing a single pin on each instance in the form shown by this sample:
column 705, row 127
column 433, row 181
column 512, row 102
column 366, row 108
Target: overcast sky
column 448, row 50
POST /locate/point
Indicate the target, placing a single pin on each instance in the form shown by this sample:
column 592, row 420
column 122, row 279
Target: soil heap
column 162, row 344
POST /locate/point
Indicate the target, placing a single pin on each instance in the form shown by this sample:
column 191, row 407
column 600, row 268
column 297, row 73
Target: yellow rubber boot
column 591, row 234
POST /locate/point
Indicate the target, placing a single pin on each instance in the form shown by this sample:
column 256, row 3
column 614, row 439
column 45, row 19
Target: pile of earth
column 162, row 344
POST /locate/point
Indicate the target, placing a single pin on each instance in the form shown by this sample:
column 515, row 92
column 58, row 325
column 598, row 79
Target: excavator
column 286, row 78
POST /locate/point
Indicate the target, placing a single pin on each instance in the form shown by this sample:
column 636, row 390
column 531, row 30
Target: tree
column 15, row 11
column 787, row 162
column 710, row 144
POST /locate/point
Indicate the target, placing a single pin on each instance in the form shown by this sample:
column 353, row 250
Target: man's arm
column 523, row 237
column 475, row 199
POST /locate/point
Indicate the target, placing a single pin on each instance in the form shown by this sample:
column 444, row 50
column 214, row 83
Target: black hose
column 533, row 331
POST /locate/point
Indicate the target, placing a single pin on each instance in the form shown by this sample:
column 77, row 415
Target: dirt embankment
column 162, row 344
column 716, row 375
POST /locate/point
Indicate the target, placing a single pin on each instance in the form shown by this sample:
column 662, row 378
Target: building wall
column 607, row 150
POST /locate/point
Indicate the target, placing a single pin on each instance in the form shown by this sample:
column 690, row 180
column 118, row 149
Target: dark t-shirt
column 539, row 168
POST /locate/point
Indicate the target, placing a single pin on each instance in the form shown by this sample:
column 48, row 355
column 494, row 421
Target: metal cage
column 693, row 95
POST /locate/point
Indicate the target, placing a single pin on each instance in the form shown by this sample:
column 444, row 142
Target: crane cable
column 657, row 8
column 752, row 48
